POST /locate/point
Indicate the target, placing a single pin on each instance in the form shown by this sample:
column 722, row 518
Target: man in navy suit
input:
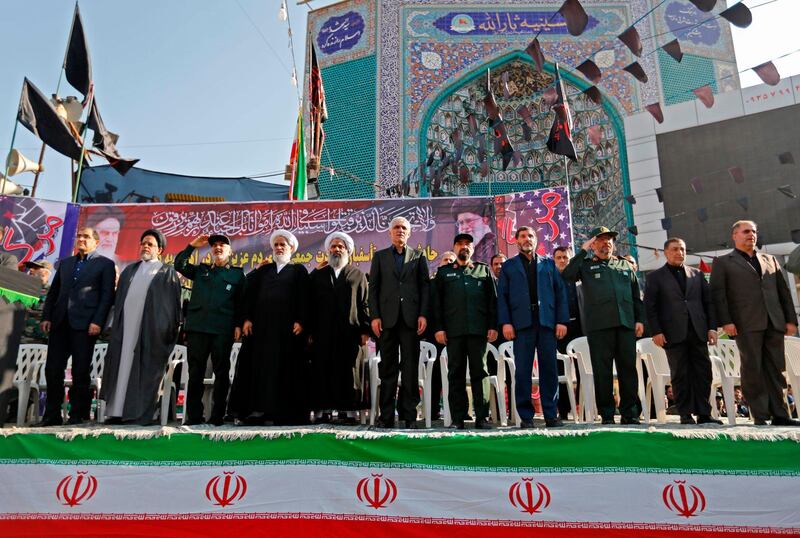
column 533, row 311
column 75, row 311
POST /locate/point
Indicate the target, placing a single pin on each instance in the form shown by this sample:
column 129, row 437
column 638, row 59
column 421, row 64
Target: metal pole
column 83, row 144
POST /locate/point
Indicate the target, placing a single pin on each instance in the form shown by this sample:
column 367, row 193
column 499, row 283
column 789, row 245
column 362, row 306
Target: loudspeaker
column 17, row 163
column 9, row 187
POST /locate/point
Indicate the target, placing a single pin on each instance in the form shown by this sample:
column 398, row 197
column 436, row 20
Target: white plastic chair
column 237, row 347
column 579, row 350
column 658, row 377
column 427, row 353
column 726, row 360
column 30, row 359
column 169, row 392
column 792, row 352
column 498, row 383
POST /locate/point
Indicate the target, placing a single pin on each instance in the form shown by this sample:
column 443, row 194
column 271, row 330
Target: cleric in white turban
column 286, row 234
column 271, row 375
column 348, row 241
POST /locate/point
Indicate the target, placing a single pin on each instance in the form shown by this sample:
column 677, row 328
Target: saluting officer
column 214, row 321
column 465, row 317
column 614, row 316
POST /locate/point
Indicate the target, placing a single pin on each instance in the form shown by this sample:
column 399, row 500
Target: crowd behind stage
column 304, row 336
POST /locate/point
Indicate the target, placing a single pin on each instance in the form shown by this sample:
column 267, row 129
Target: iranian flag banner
column 626, row 484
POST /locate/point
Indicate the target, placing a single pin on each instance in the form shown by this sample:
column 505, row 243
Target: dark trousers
column 463, row 351
column 535, row 341
column 763, row 363
column 609, row 346
column 65, row 341
column 198, row 347
column 690, row 372
column 399, row 354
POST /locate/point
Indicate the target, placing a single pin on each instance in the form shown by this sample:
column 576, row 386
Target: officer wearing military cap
column 614, row 317
column 214, row 320
column 465, row 317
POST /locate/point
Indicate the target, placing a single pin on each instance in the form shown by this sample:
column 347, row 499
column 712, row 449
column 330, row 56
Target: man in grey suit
column 399, row 290
column 677, row 301
column 75, row 312
column 753, row 304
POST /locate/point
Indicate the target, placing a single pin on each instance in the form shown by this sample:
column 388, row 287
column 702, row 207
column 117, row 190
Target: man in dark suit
column 753, row 304
column 533, row 312
column 677, row 301
column 399, row 290
column 75, row 312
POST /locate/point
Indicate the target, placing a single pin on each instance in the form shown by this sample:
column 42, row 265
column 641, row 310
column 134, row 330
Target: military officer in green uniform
column 214, row 321
column 33, row 317
column 465, row 317
column 614, row 316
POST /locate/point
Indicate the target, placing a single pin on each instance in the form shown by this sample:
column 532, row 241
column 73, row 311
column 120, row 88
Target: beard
column 282, row 258
column 147, row 256
column 337, row 261
column 463, row 255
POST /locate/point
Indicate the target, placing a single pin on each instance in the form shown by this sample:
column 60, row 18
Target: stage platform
column 340, row 481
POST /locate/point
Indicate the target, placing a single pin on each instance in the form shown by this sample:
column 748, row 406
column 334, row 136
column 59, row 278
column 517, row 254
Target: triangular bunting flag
column 705, row 95
column 590, row 71
column 636, row 70
column 768, row 73
column 655, row 110
column 736, row 173
column 575, row 16
column 738, row 15
column 632, row 40
column 673, row 48
column 534, row 50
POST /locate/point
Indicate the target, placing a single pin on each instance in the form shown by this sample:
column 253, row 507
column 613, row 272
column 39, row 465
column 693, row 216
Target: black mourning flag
column 104, row 142
column 37, row 114
column 560, row 140
column 77, row 64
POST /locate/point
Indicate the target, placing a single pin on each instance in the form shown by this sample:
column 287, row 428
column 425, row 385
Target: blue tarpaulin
column 104, row 185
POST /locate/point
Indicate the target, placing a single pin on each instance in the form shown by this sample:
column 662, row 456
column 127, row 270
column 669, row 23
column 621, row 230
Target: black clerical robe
column 272, row 368
column 158, row 335
column 338, row 319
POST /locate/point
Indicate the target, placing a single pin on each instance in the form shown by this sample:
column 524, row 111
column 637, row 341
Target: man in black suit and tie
column 680, row 313
column 75, row 311
column 754, row 305
column 399, row 290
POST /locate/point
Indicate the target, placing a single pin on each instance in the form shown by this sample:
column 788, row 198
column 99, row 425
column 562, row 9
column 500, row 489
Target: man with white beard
column 338, row 325
column 145, row 328
column 272, row 369
column 214, row 321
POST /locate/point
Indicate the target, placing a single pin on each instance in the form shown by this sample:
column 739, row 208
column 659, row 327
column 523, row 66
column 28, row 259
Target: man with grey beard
column 338, row 325
column 145, row 328
column 214, row 321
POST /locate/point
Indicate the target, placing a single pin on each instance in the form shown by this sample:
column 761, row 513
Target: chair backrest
column 506, row 351
column 427, row 352
column 29, row 358
column 501, row 370
column 658, row 356
column 237, row 346
column 98, row 360
column 579, row 348
column 179, row 353
column 728, row 352
column 793, row 357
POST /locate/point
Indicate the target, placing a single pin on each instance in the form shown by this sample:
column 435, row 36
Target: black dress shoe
column 687, row 419
column 410, row 424
column 553, row 422
column 457, row 425
column 631, row 421
column 112, row 421
column 708, row 419
column 384, row 424
column 216, row 421
column 482, row 424
column 526, row 425
column 783, row 421
column 75, row 421
column 608, row 420
column 50, row 421
column 759, row 422
column 193, row 422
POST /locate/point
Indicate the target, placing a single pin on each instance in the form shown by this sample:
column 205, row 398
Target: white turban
column 348, row 241
column 286, row 234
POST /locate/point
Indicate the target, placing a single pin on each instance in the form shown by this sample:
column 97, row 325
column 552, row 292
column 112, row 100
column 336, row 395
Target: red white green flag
column 297, row 162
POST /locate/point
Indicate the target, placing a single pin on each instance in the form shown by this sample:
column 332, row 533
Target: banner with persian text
column 491, row 221
column 34, row 229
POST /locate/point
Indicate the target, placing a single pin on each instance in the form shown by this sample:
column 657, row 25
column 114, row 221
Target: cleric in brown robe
column 145, row 319
column 338, row 326
column 271, row 382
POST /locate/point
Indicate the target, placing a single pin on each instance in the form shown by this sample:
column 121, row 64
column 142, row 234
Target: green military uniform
column 33, row 333
column 216, row 308
column 465, row 307
column 612, row 307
